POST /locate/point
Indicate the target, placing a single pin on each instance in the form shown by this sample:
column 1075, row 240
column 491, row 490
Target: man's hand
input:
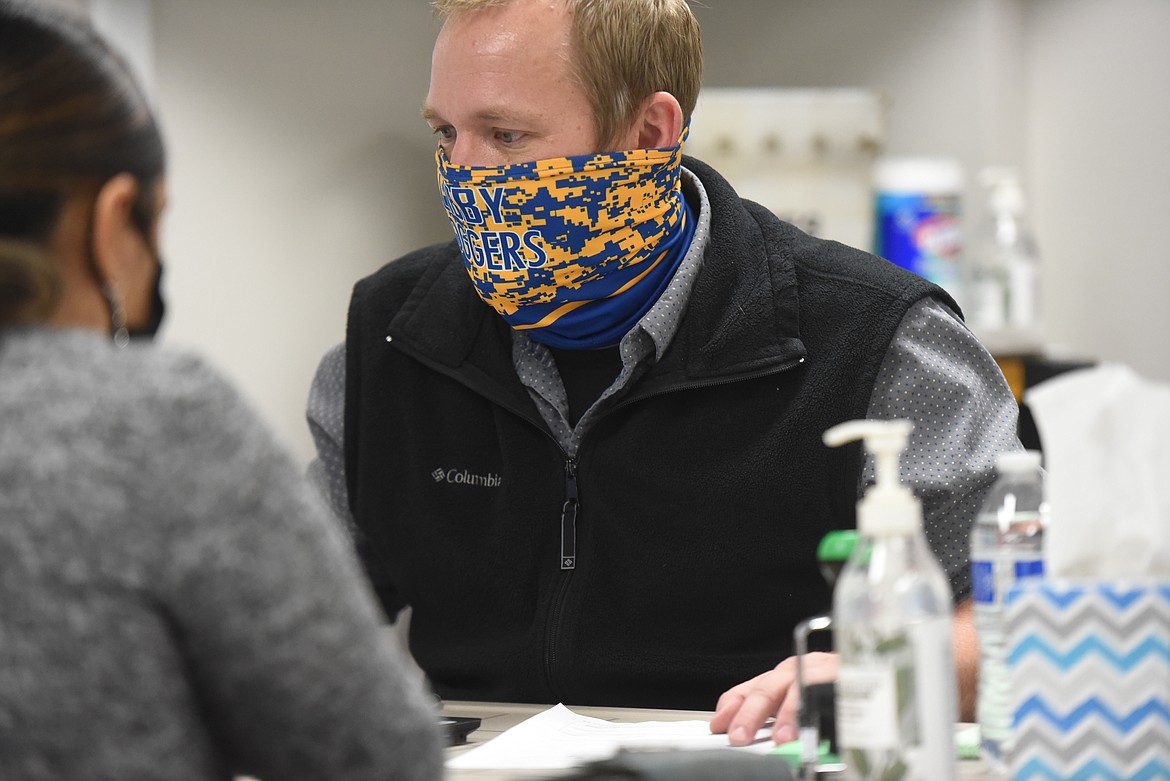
column 743, row 709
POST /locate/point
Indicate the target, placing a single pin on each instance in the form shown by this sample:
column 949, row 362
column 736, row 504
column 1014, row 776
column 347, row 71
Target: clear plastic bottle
column 1007, row 544
column 896, row 689
column 1003, row 289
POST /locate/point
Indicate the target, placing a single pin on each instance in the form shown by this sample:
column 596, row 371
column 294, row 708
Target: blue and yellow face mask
column 572, row 250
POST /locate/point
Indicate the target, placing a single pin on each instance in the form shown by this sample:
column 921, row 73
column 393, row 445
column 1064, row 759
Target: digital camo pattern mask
column 573, row 250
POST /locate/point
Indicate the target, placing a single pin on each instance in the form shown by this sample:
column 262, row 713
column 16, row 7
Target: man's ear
column 114, row 233
column 659, row 122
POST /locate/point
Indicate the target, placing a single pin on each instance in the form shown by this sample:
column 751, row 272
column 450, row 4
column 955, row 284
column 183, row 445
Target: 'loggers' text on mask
column 572, row 250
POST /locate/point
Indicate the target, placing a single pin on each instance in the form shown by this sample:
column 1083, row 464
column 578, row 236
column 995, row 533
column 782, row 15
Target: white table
column 498, row 716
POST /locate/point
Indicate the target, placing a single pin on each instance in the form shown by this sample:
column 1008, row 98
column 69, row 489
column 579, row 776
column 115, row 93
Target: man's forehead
column 492, row 29
column 491, row 65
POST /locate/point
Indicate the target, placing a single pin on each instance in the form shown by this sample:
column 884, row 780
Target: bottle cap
column 928, row 175
column 837, row 545
column 834, row 550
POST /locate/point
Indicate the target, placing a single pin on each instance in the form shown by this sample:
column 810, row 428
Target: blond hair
column 626, row 51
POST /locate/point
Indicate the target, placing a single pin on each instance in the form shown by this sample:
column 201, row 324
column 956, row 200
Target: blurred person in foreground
column 583, row 441
column 177, row 602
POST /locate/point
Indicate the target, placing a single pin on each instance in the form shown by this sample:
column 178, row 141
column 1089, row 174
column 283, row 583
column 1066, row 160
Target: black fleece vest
column 702, row 491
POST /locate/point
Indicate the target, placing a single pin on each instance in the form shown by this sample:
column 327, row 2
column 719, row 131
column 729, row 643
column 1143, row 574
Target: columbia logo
column 463, row 477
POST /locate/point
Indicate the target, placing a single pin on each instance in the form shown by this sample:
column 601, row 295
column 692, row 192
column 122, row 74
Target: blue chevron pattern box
column 1090, row 672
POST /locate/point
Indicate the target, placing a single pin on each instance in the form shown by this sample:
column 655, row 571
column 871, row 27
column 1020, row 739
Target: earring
column 117, row 317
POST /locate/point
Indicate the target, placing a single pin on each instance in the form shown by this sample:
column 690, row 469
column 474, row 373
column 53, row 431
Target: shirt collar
column 661, row 322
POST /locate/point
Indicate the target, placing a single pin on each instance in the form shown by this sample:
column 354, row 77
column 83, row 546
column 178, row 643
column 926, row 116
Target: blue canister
column 918, row 217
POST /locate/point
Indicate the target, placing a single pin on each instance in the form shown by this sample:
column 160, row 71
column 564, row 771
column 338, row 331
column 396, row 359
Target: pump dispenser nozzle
column 1005, row 195
column 888, row 508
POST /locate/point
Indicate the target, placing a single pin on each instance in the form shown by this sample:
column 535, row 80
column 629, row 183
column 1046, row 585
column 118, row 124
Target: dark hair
column 71, row 117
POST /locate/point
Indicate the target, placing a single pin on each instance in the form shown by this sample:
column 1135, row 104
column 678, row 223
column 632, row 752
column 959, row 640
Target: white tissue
column 1106, row 438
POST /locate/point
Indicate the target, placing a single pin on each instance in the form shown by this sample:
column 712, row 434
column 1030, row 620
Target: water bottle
column 1006, row 545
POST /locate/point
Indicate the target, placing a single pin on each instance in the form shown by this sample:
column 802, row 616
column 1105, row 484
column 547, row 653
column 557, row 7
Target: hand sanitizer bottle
column 1003, row 291
column 896, row 690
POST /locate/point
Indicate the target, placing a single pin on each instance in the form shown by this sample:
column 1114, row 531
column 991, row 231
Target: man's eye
column 445, row 134
column 509, row 136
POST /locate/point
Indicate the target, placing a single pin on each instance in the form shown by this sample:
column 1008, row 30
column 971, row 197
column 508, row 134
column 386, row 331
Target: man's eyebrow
column 488, row 115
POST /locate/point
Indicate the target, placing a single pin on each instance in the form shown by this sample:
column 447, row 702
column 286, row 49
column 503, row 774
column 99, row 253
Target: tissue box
column 1090, row 671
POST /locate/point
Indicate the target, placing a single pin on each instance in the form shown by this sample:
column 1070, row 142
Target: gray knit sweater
column 173, row 602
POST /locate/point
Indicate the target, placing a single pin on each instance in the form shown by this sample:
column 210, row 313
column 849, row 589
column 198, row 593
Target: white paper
column 558, row 739
column 1106, row 438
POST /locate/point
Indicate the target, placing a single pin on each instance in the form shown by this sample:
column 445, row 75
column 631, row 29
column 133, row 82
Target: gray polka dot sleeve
column 325, row 413
column 938, row 375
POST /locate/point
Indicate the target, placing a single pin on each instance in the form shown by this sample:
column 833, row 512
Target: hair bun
column 29, row 282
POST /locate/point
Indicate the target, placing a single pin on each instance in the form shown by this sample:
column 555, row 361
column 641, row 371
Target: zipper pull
column 569, row 517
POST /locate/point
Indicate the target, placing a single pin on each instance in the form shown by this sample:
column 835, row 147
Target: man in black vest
column 583, row 440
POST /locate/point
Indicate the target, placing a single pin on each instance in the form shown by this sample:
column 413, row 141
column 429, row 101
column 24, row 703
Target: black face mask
column 141, row 215
column 158, row 309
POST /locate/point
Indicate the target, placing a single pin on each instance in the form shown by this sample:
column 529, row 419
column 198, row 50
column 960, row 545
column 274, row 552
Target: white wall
column 129, row 24
column 1071, row 91
column 299, row 162
column 944, row 67
column 298, row 165
column 1098, row 150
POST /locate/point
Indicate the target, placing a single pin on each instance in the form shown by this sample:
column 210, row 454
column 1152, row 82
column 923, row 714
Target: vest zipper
column 569, row 517
column 568, row 562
